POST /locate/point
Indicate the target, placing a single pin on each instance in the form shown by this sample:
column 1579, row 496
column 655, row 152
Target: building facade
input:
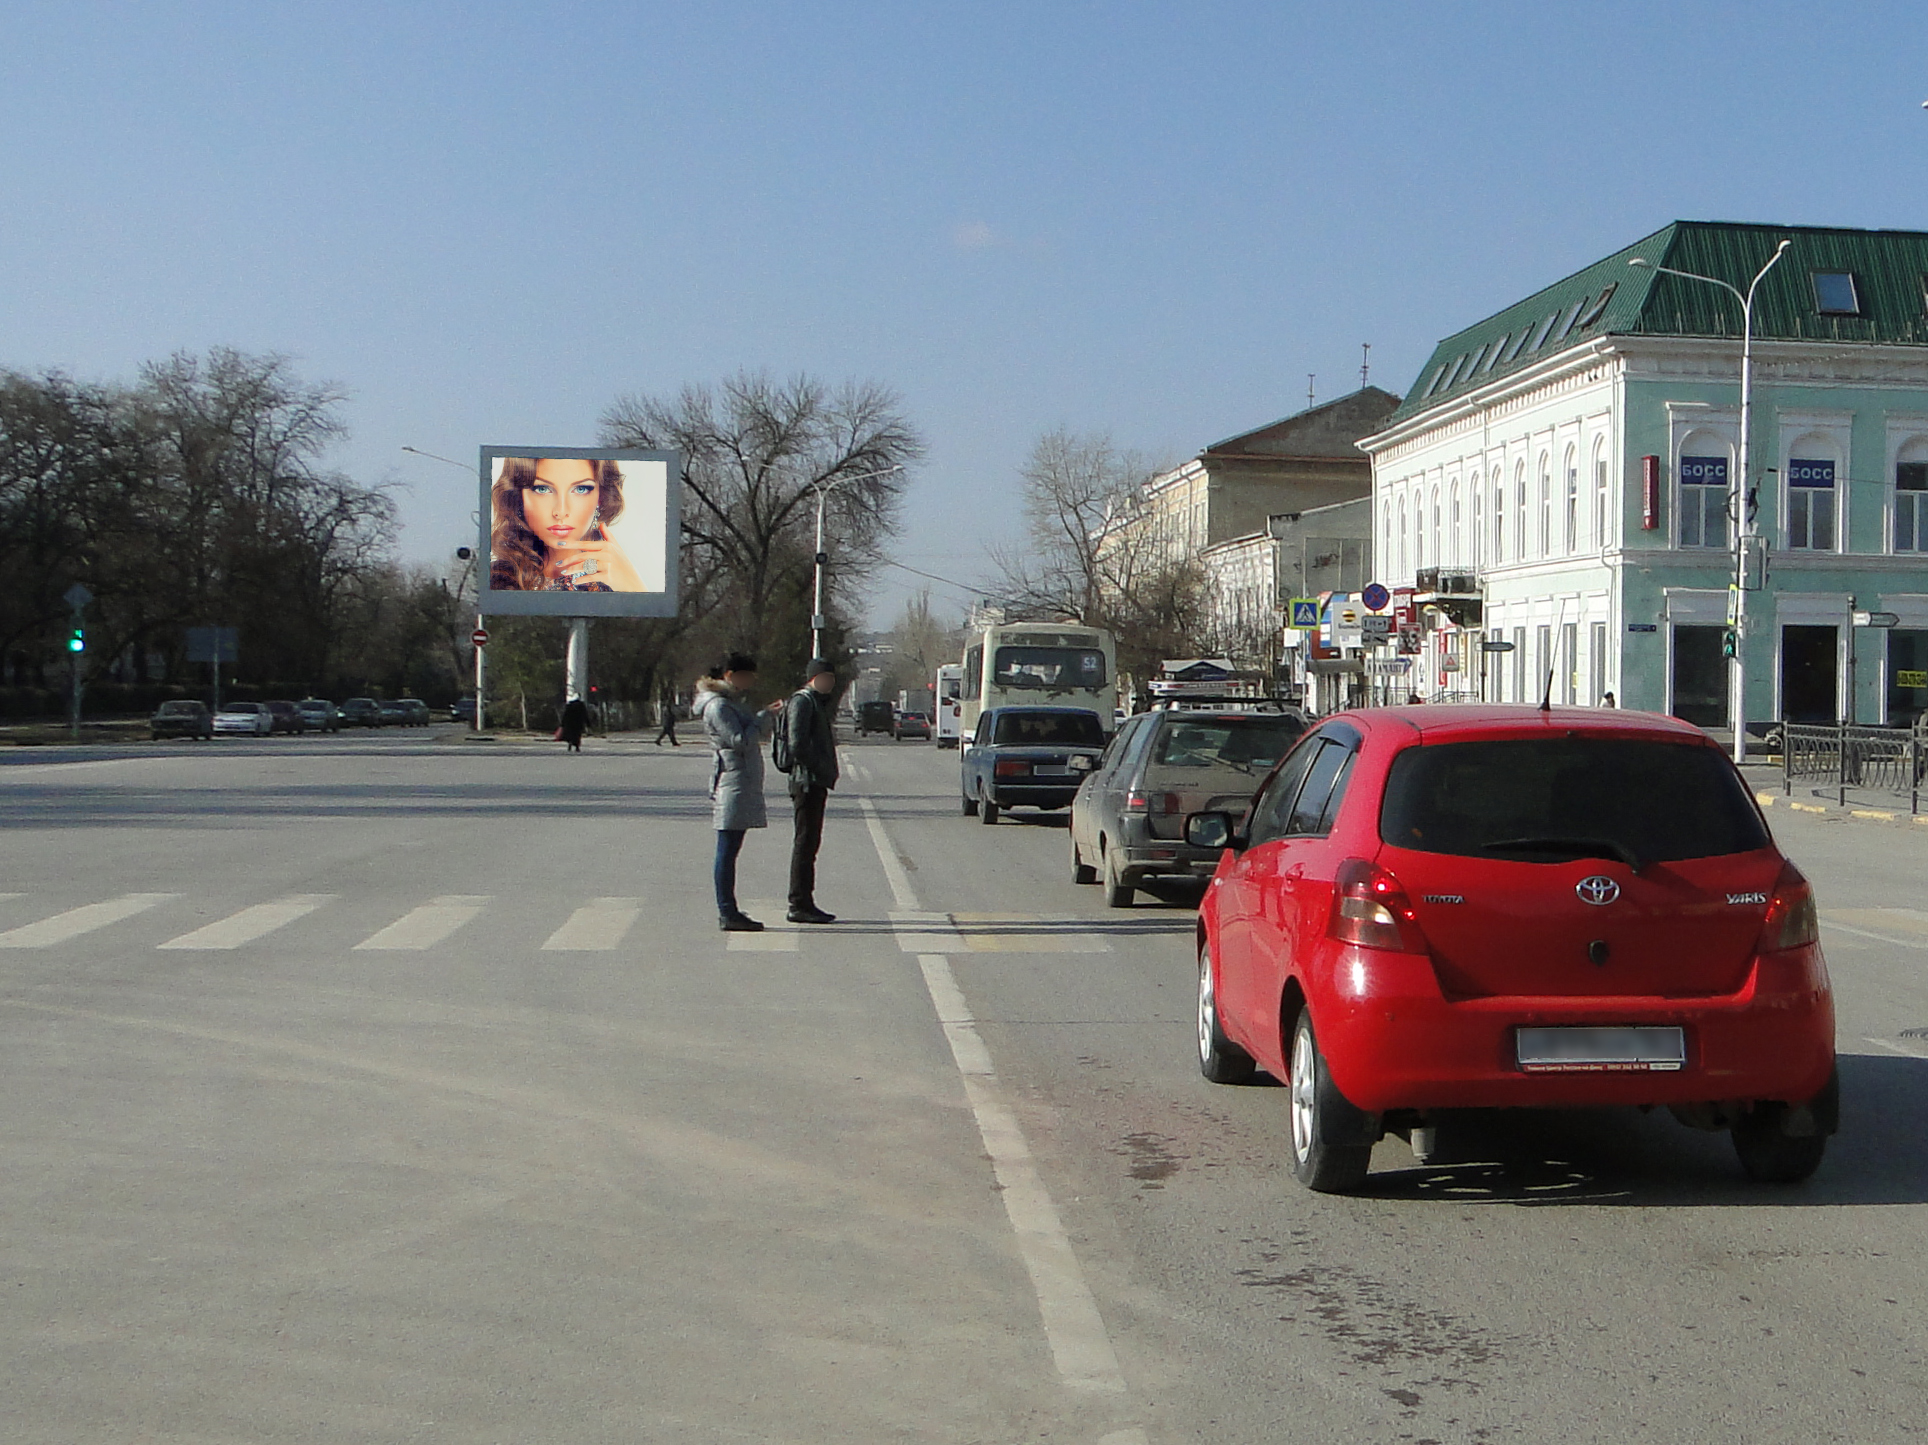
column 1559, row 479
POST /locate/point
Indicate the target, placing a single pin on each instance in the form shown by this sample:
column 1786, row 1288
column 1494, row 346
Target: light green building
column 1558, row 478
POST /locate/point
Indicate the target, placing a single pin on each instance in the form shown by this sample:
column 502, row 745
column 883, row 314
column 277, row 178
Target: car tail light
column 1136, row 801
column 1012, row 769
column 1791, row 920
column 1166, row 803
column 1369, row 908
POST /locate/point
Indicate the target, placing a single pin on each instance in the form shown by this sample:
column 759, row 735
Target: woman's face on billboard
column 560, row 504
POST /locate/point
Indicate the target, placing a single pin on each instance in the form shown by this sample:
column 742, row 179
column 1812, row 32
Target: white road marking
column 1075, row 1330
column 778, row 936
column 926, row 932
column 1894, row 1048
column 1834, row 925
column 1006, row 933
column 85, row 919
column 596, row 927
column 251, row 923
column 428, row 925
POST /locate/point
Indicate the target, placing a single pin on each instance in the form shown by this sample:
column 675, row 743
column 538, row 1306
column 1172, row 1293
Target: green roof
column 1612, row 298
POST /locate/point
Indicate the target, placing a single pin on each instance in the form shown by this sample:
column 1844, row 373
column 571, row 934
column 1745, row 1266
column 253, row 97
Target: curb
column 1876, row 815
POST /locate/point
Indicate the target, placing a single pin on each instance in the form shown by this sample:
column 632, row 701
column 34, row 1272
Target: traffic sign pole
column 480, row 638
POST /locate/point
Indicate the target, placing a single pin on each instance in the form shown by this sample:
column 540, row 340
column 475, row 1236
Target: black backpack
column 781, row 758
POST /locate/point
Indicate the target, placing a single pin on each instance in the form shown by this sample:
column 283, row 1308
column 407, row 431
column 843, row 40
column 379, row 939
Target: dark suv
column 1021, row 757
column 361, row 712
column 181, row 718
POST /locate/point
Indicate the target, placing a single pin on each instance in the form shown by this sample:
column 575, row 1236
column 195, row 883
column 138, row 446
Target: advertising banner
column 579, row 531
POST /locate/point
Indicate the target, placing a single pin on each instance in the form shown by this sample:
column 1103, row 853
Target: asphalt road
column 403, row 1089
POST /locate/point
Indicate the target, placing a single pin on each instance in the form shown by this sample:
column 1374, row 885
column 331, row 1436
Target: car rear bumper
column 1393, row 1040
column 1031, row 795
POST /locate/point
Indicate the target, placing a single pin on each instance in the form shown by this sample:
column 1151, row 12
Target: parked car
column 244, row 717
column 1477, row 907
column 873, row 717
column 394, row 713
column 181, row 718
column 462, row 710
column 361, row 712
column 319, row 715
column 1128, row 820
column 284, row 717
column 911, row 725
column 1021, row 757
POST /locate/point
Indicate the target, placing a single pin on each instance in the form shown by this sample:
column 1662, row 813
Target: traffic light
column 1729, row 643
column 77, row 639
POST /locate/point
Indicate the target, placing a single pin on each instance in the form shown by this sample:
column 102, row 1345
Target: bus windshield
column 1050, row 669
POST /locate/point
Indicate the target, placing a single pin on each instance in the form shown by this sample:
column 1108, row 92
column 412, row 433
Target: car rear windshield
column 1550, row 800
column 1052, row 669
column 1049, row 729
column 1251, row 743
column 179, row 709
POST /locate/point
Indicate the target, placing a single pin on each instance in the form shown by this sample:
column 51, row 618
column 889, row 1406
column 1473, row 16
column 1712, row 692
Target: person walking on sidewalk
column 666, row 715
column 575, row 722
column 736, row 733
column 813, row 773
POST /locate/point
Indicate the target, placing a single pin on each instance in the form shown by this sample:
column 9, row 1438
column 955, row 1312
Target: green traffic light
column 77, row 640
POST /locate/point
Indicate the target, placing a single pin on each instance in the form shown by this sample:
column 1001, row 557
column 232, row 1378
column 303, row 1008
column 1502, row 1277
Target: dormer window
column 1835, row 293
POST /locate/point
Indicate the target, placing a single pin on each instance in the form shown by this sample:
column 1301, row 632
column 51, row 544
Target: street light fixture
column 823, row 490
column 476, row 723
column 1737, row 492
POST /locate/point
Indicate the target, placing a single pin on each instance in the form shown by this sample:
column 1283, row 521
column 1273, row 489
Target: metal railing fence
column 1886, row 760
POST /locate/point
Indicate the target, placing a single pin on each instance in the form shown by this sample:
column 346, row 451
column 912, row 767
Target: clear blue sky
column 487, row 220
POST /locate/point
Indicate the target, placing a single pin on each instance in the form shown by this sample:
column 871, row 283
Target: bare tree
column 756, row 452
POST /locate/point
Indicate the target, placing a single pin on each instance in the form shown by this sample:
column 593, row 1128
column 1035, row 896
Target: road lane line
column 900, row 889
column 85, row 919
column 597, row 927
column 1894, row 1048
column 1073, row 1327
column 426, row 926
column 251, row 923
column 926, row 932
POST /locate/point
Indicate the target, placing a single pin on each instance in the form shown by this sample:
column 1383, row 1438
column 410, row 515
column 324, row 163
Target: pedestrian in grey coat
column 736, row 732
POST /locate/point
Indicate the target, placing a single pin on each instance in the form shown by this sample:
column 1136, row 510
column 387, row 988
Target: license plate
column 1044, row 770
column 1600, row 1050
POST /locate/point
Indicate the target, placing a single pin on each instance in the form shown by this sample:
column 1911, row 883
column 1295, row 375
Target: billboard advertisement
column 579, row 531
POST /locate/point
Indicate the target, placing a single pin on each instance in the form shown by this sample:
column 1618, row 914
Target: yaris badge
column 1597, row 889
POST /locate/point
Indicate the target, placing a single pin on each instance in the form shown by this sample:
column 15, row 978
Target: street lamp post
column 823, row 490
column 1737, row 492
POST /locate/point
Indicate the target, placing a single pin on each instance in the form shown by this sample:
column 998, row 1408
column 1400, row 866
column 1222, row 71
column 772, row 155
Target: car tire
column 1769, row 1154
column 1318, row 1162
column 1219, row 1059
column 1081, row 871
column 970, row 806
column 987, row 811
column 1118, row 893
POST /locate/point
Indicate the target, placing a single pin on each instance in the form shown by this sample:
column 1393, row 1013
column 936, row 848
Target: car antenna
column 1553, row 659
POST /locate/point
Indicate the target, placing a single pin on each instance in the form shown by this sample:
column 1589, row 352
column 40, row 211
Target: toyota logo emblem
column 1597, row 889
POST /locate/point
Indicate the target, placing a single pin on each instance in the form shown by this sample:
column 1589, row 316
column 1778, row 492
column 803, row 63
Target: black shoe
column 738, row 923
column 810, row 915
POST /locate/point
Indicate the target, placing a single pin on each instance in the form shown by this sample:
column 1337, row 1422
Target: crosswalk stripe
column 428, row 925
column 596, row 927
column 778, row 936
column 85, row 919
column 1008, row 933
column 251, row 923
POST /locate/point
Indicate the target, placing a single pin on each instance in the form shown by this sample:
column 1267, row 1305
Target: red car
column 1469, row 907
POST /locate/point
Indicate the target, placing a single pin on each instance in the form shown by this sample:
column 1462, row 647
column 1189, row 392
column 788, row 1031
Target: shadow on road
column 1625, row 1157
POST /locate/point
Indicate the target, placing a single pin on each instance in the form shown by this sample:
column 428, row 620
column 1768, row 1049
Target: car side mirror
column 1212, row 830
column 1081, row 762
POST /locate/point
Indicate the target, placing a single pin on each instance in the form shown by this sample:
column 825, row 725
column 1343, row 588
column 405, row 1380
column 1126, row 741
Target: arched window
column 1546, row 505
column 1499, row 517
column 1475, row 533
column 1519, row 509
column 1437, row 554
column 1602, row 532
column 1385, row 531
column 1910, row 530
column 1572, row 518
column 1419, row 528
column 1402, row 539
column 1454, row 542
column 1813, row 495
column 1702, row 476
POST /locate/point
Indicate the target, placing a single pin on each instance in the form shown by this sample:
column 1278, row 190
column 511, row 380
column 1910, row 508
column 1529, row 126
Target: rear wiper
column 1574, row 847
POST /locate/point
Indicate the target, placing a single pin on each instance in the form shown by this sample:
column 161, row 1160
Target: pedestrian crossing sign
column 1305, row 612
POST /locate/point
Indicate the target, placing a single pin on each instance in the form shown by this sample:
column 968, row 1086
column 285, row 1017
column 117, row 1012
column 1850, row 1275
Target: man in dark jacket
column 813, row 773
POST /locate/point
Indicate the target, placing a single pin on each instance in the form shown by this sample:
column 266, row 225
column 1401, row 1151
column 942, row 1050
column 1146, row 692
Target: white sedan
column 244, row 717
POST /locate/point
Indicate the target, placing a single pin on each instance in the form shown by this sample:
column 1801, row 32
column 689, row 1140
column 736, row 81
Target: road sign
column 1375, row 596
column 480, row 637
column 1375, row 628
column 213, row 644
column 1877, row 619
column 1915, row 680
column 1305, row 612
column 77, row 596
column 1496, row 644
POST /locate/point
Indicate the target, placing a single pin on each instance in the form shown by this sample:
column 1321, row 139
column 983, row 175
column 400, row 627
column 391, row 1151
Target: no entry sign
column 480, row 636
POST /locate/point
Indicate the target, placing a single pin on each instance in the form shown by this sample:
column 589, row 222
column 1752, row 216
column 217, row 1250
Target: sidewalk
column 1872, row 804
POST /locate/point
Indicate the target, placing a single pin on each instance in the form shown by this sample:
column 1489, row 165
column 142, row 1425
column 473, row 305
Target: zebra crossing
column 594, row 925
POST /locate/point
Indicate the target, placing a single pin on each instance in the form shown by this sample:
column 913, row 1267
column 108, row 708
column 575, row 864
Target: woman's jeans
column 729, row 843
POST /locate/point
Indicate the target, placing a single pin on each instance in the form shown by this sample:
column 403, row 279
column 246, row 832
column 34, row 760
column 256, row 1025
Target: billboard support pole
column 480, row 691
column 577, row 685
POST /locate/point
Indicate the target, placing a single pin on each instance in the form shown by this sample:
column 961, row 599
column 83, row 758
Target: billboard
column 579, row 531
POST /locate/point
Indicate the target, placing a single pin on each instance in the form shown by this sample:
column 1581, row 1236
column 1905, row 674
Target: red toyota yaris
column 1462, row 907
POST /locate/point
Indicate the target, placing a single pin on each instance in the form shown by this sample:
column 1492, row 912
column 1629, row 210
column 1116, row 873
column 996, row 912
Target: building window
column 1475, row 531
column 1572, row 503
column 1597, row 664
column 1810, row 505
column 1402, row 540
column 1499, row 517
column 1546, row 507
column 1456, row 539
column 1519, row 511
column 1911, row 507
column 1601, row 531
column 1542, row 662
column 1519, row 664
column 1703, row 502
column 1419, row 529
column 1835, row 293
